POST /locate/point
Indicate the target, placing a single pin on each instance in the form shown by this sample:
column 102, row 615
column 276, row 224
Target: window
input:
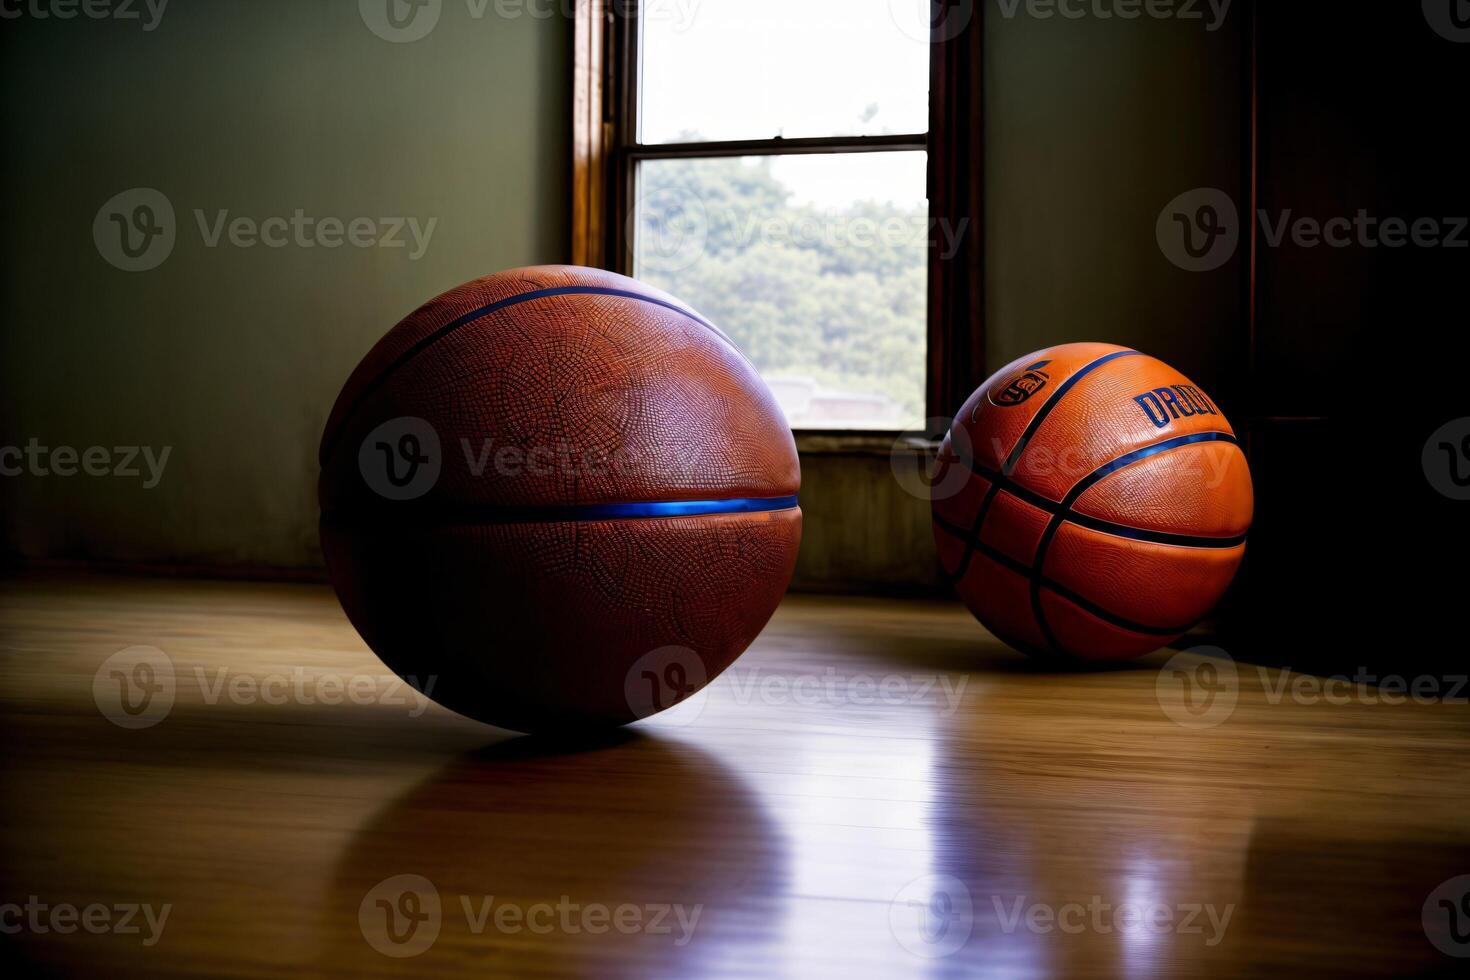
column 769, row 162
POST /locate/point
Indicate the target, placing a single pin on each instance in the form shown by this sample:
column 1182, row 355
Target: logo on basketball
column 668, row 682
column 401, row 916
column 401, row 459
column 400, row 21
column 134, row 688
column 1449, row 18
column 1199, row 687
column 1446, row 459
column 1019, row 391
column 135, row 230
column 1166, row 404
column 933, row 916
column 1199, row 230
column 1446, row 917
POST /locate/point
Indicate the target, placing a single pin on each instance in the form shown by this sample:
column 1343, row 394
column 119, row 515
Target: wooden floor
column 877, row 789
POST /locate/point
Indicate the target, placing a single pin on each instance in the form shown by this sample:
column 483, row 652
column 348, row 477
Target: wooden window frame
column 606, row 154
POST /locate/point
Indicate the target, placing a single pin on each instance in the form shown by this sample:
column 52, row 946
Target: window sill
column 884, row 444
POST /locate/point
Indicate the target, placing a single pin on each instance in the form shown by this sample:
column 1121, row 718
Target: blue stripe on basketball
column 1138, row 455
column 463, row 515
column 666, row 508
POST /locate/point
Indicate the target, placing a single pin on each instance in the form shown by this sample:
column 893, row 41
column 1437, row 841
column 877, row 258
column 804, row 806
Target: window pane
column 815, row 266
column 757, row 69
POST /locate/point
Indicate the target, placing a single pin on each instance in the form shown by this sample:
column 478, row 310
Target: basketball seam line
column 1020, row 447
column 1015, row 458
column 1091, row 480
column 1032, row 575
column 1098, row 524
column 1041, row 415
column 489, row 514
column 465, row 319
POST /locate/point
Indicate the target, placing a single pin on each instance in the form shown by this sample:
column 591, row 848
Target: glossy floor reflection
column 876, row 789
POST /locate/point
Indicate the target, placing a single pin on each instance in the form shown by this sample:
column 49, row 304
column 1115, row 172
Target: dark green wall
column 232, row 356
column 1092, row 127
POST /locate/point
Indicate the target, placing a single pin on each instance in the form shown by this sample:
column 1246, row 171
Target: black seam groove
column 1029, row 573
column 1097, row 523
column 465, row 319
column 1015, row 457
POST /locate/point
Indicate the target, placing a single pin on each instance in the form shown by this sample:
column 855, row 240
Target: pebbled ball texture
column 463, row 468
column 1090, row 501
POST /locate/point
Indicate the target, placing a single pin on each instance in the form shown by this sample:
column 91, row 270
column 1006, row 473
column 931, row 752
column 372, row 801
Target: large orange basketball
column 560, row 497
column 1091, row 501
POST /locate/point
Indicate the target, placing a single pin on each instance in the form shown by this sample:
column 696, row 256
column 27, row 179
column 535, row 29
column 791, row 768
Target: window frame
column 606, row 155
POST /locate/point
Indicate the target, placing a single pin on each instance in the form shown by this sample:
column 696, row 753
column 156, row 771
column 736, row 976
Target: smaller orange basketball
column 1091, row 501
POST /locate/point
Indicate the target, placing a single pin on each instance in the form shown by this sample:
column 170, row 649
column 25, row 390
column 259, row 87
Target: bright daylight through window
column 815, row 263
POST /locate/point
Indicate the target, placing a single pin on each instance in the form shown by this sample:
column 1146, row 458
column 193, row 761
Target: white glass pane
column 757, row 69
column 815, row 266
